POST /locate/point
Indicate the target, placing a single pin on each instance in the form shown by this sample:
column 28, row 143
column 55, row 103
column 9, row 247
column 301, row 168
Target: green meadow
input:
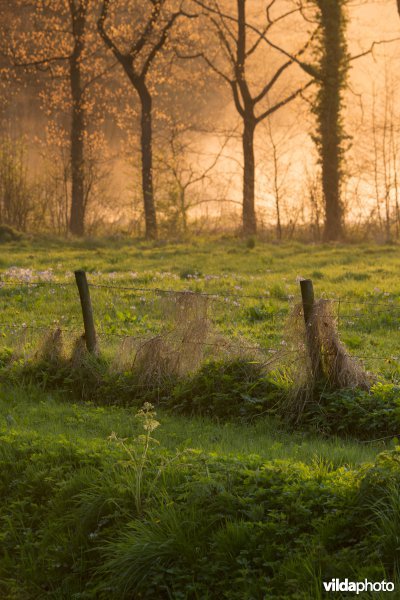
column 364, row 278
column 209, row 491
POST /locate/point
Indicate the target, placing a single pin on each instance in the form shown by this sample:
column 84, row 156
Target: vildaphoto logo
column 336, row 585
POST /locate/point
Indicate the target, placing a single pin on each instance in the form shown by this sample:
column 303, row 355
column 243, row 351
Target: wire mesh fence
column 131, row 320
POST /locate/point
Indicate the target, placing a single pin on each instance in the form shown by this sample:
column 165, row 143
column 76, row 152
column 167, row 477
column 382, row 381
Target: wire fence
column 31, row 308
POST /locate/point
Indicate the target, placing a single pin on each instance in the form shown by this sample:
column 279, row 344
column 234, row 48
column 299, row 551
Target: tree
column 184, row 171
column 16, row 193
column 239, row 43
column 277, row 166
column 381, row 159
column 78, row 13
column 333, row 65
column 58, row 39
column 329, row 73
column 143, row 47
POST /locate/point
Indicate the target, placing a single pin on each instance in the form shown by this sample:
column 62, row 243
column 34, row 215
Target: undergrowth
column 72, row 527
column 81, row 518
column 221, row 389
column 238, row 389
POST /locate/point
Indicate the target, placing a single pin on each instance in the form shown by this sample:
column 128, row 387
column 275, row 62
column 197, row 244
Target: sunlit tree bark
column 333, row 66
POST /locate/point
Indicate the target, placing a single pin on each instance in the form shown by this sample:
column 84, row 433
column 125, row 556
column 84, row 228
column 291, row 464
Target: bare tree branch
column 283, row 102
column 371, row 48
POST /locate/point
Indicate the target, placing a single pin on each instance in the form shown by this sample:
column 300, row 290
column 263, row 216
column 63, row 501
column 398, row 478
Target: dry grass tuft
column 79, row 352
column 186, row 340
column 190, row 332
column 154, row 362
column 20, row 343
column 122, row 359
column 322, row 359
column 180, row 348
column 51, row 348
column 340, row 368
column 238, row 348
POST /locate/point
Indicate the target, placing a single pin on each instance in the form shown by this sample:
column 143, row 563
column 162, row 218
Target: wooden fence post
column 313, row 343
column 87, row 311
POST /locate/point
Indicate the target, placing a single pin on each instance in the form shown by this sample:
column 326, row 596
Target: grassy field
column 46, row 415
column 363, row 277
column 195, row 507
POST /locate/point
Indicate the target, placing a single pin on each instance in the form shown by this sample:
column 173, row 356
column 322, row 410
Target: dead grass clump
column 20, row 343
column 51, row 349
column 122, row 360
column 239, row 348
column 79, row 352
column 154, row 362
column 338, row 366
column 180, row 347
column 191, row 328
column 87, row 370
column 322, row 360
column 186, row 340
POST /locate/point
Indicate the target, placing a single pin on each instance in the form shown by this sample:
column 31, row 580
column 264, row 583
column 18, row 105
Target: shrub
column 89, row 379
column 9, row 234
column 357, row 413
column 238, row 388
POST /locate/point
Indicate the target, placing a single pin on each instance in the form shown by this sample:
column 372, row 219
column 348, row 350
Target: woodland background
column 166, row 117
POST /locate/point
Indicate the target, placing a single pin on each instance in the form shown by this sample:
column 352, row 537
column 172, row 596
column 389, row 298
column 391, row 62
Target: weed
column 261, row 312
column 138, row 452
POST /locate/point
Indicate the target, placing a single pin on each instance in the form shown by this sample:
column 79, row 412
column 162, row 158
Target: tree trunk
column 249, row 223
column 182, row 204
column 334, row 66
column 331, row 178
column 77, row 216
column 146, row 141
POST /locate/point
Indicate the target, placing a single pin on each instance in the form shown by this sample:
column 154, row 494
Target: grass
column 47, row 415
column 224, row 509
column 357, row 274
column 279, row 513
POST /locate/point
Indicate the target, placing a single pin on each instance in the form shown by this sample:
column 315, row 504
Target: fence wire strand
column 103, row 329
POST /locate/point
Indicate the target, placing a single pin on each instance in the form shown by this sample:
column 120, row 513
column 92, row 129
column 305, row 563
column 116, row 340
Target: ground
column 278, row 509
